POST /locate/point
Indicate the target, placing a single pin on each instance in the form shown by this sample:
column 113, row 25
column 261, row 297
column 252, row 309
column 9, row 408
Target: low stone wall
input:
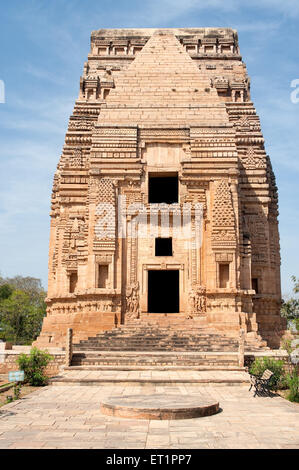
column 278, row 354
column 8, row 359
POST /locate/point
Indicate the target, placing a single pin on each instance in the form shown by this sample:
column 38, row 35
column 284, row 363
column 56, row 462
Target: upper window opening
column 163, row 247
column 163, row 188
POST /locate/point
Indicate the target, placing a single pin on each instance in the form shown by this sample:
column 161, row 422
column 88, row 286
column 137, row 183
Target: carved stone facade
column 163, row 103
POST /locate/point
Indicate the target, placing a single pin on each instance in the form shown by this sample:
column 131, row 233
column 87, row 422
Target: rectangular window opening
column 102, row 276
column 73, row 282
column 255, row 284
column 224, row 275
column 163, row 187
column 163, row 247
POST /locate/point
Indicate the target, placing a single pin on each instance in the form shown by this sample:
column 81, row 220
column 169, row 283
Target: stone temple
column 164, row 204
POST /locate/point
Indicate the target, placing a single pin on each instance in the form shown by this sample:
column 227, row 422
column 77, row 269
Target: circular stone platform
column 159, row 406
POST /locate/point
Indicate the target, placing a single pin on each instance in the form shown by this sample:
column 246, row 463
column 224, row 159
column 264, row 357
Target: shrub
column 33, row 365
column 287, row 345
column 16, row 391
column 259, row 366
column 293, row 384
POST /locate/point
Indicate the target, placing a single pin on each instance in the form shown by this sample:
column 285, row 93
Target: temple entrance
column 163, row 291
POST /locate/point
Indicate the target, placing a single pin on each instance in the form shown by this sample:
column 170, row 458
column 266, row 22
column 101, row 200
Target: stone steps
column 165, row 344
column 167, row 363
column 156, row 341
column 156, row 348
column 141, row 343
column 64, row 381
column 124, row 358
column 154, row 368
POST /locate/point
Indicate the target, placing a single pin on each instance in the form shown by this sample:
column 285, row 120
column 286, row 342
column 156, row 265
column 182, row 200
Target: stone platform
column 151, row 377
column 160, row 406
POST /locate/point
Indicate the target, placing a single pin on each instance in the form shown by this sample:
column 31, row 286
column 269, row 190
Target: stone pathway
column 69, row 417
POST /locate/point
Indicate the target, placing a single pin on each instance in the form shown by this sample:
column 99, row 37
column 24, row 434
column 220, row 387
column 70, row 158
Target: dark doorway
column 163, row 189
column 163, row 291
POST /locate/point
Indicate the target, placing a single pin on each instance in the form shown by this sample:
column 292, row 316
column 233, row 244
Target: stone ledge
column 157, row 353
column 229, row 378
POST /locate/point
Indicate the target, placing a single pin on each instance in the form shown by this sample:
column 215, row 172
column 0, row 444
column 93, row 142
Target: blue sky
column 43, row 48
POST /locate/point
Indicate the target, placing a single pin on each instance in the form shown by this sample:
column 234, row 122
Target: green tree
column 290, row 307
column 20, row 319
column 5, row 291
column 22, row 309
column 31, row 285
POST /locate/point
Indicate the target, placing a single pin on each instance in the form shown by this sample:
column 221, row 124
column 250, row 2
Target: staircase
column 163, row 341
column 158, row 350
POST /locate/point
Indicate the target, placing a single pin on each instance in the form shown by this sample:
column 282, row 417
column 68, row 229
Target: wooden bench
column 261, row 383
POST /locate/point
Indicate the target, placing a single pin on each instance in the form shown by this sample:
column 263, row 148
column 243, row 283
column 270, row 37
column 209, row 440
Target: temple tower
column 164, row 200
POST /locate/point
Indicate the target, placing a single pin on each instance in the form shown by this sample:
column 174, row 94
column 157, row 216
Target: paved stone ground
column 69, row 417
